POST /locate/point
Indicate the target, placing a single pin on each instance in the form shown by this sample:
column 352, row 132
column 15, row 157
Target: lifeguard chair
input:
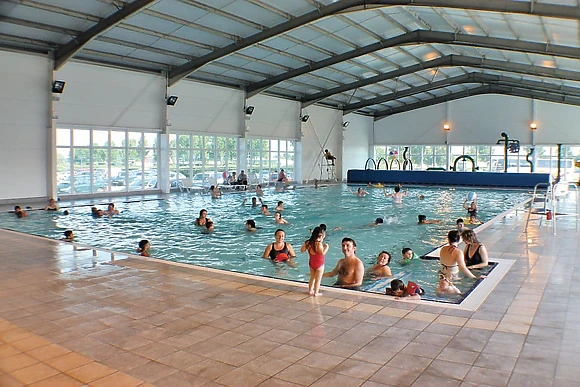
column 330, row 169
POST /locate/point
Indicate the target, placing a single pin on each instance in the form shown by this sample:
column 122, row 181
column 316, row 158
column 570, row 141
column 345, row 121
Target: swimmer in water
column 144, row 247
column 68, row 236
column 381, row 269
column 52, row 206
column 251, row 225
column 259, row 191
column 397, row 195
column 423, row 220
column 278, row 218
column 359, row 192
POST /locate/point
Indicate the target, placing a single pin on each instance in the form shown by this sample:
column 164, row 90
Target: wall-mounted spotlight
column 57, row 87
column 249, row 110
column 345, row 124
column 533, row 126
column 171, row 100
column 305, row 118
column 446, row 127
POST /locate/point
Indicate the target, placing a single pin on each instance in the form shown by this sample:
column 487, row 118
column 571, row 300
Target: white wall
column 322, row 131
column 480, row 120
column 274, row 118
column 421, row 126
column 107, row 97
column 204, row 108
column 357, row 142
column 24, row 125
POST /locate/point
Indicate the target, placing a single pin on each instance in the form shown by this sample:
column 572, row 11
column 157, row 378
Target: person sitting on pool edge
column 423, row 220
column 350, row 269
column 399, row 290
column 143, row 248
column 280, row 250
column 381, row 269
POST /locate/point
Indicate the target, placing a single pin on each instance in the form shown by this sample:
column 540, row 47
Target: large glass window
column 488, row 158
column 267, row 157
column 202, row 159
column 101, row 160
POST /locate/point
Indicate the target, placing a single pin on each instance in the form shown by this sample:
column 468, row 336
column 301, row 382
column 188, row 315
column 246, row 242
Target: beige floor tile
column 7, row 350
column 422, row 316
column 47, row 352
column 118, row 379
column 90, row 372
column 59, row 380
column 16, row 362
column 9, row 381
column 394, row 312
column 34, row 373
column 481, row 324
column 30, row 342
column 451, row 320
column 68, row 361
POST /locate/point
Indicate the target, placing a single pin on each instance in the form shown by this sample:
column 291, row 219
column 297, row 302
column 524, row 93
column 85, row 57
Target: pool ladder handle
column 550, row 200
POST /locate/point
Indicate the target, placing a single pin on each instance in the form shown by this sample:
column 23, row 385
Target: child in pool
column 399, row 290
column 68, row 236
column 143, row 248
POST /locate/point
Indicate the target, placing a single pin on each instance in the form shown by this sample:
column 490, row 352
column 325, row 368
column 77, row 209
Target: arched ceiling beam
column 67, row 51
column 422, row 36
column 450, row 60
column 466, row 78
column 510, row 6
column 486, row 89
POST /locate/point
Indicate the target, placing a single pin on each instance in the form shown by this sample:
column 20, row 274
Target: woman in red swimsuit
column 316, row 251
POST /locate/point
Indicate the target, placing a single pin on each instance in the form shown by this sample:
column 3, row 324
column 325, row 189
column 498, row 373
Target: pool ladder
column 547, row 204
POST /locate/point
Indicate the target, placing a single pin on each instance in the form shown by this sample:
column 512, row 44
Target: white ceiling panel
column 171, row 33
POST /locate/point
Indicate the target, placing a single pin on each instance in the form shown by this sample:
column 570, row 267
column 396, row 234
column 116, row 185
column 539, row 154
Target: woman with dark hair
column 475, row 252
column 202, row 218
column 381, row 269
column 451, row 260
column 280, row 250
column 316, row 251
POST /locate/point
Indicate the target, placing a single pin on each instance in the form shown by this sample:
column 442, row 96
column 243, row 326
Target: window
column 267, row 157
column 203, row 159
column 102, row 160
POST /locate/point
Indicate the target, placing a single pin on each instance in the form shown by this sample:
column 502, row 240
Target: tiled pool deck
column 68, row 318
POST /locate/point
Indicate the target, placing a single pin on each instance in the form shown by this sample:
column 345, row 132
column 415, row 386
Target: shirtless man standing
column 350, row 269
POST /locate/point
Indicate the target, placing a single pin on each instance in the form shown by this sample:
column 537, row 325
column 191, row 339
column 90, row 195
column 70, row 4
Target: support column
column 298, row 161
column 163, row 161
column 51, row 168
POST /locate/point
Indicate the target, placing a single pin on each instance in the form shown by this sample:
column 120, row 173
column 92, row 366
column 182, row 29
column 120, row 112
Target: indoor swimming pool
column 169, row 225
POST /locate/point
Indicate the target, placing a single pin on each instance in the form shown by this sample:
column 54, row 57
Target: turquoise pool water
column 169, row 225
